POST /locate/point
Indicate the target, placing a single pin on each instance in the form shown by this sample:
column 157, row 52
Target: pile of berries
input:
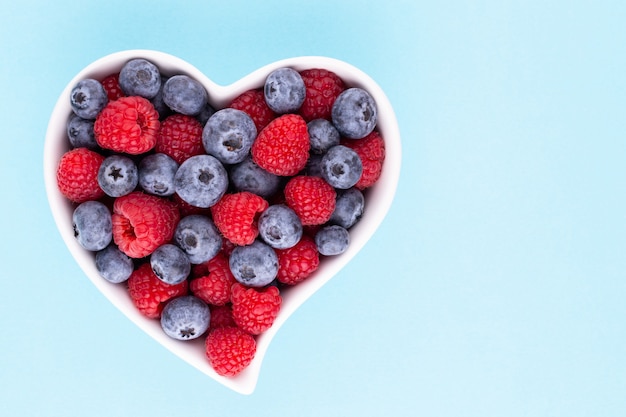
column 206, row 214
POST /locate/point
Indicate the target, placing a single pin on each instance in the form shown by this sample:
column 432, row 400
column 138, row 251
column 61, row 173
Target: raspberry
column 299, row 262
column 142, row 223
column 252, row 102
column 236, row 215
column 214, row 287
column 187, row 209
column 128, row 124
column 371, row 150
column 282, row 148
column 312, row 198
column 149, row 294
column 322, row 88
column 112, row 86
column 77, row 175
column 229, row 350
column 254, row 309
column 180, row 137
column 221, row 316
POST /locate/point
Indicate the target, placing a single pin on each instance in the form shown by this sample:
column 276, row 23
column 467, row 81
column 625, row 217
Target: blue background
column 495, row 287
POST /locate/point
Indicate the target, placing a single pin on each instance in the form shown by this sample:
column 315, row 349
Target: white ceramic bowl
column 378, row 198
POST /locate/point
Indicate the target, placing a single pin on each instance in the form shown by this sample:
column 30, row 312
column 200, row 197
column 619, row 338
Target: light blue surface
column 496, row 286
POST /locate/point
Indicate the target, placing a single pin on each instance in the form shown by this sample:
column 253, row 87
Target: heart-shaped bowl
column 378, row 197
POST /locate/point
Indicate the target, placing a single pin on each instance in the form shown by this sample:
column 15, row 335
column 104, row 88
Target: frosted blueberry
column 332, row 240
column 113, row 264
column 341, row 167
column 184, row 95
column 93, row 227
column 156, row 174
column 80, row 133
column 185, row 318
column 284, row 90
column 280, row 227
column 140, row 77
column 254, row 265
column 354, row 113
column 228, row 135
column 322, row 135
column 248, row 176
column 88, row 98
column 198, row 237
column 118, row 175
column 170, row 264
column 349, row 207
column 201, row 181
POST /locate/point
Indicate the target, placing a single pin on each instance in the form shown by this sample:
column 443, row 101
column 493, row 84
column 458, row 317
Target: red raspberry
column 77, row 175
column 229, row 350
column 142, row 223
column 322, row 88
column 236, row 215
column 312, row 198
column 298, row 262
column 371, row 150
column 112, row 86
column 252, row 102
column 221, row 316
column 254, row 309
column 149, row 294
column 282, row 148
column 214, row 288
column 128, row 124
column 180, row 137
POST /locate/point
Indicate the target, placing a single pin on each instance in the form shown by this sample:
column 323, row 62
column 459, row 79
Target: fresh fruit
column 284, row 90
column 140, row 77
column 332, row 240
column 312, row 198
column 201, row 180
column 214, row 286
column 88, row 98
column 80, row 133
column 349, row 207
column 341, row 167
column 118, row 175
column 371, row 150
column 180, row 137
column 156, row 174
column 254, row 265
column 112, row 86
column 77, row 175
column 184, row 95
column 236, row 216
column 170, row 264
column 255, row 309
column 282, row 147
column 127, row 125
column 229, row 350
column 280, row 227
column 248, row 176
column 322, row 89
column 92, row 225
column 142, row 223
column 114, row 265
column 253, row 103
column 185, row 318
column 297, row 263
column 322, row 135
column 228, row 135
column 198, row 237
column 354, row 113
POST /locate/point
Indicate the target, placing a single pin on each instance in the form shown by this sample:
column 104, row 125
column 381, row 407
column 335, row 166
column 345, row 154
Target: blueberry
column 248, row 176
column 228, row 135
column 284, row 90
column 170, row 264
column 313, row 166
column 354, row 113
column 156, row 174
column 198, row 237
column 332, row 240
column 118, row 175
column 88, row 98
column 322, row 135
column 184, row 95
column 280, row 227
column 201, row 181
column 206, row 112
column 349, row 208
column 341, row 167
column 140, row 77
column 80, row 133
column 93, row 227
column 185, row 318
column 113, row 264
column 254, row 265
